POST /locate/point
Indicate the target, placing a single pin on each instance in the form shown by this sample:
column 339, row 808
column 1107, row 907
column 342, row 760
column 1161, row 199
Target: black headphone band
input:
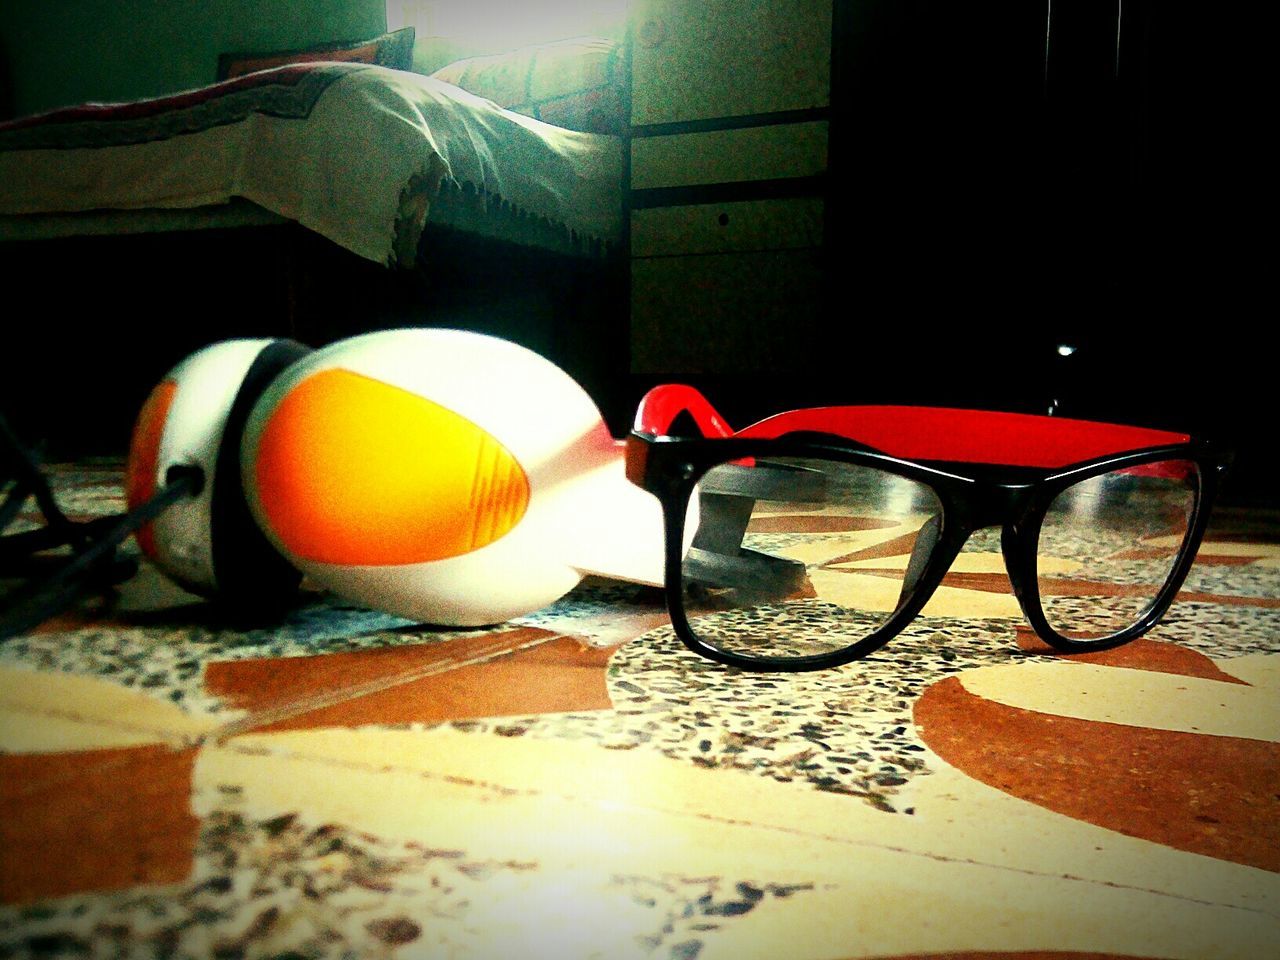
column 249, row 571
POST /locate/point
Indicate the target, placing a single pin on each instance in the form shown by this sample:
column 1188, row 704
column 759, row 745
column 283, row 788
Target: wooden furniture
column 730, row 125
column 920, row 201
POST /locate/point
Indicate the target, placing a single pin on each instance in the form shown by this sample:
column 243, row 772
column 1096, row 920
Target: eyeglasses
column 811, row 538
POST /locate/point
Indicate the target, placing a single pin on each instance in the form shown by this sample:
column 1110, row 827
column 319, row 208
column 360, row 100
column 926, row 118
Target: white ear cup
column 193, row 419
column 440, row 475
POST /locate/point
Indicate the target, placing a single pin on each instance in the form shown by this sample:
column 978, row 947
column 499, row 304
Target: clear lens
column 801, row 557
column 1109, row 544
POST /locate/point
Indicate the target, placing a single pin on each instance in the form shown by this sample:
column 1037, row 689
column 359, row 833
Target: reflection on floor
column 577, row 784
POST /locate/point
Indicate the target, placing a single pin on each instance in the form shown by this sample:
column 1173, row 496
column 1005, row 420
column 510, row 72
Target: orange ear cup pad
column 353, row 471
column 143, row 461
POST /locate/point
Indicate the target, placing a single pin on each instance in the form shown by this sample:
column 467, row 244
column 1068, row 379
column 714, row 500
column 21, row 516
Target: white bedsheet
column 353, row 152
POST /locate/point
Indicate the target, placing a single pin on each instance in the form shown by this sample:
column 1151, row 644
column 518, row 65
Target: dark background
column 1007, row 177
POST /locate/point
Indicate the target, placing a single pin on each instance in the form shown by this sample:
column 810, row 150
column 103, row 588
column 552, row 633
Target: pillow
column 572, row 83
column 393, row 50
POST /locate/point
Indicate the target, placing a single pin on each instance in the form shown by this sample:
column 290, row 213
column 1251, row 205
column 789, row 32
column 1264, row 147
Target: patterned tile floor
column 577, row 784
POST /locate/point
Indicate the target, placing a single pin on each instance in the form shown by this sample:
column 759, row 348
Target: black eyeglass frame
column 973, row 497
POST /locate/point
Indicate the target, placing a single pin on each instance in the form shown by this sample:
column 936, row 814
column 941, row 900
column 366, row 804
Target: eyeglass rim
column 670, row 468
column 1212, row 462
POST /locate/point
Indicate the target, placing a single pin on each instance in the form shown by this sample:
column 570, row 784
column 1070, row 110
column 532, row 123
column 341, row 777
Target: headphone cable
column 34, row 603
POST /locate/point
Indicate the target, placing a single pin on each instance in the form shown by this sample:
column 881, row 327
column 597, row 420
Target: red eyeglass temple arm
column 660, row 407
column 921, row 433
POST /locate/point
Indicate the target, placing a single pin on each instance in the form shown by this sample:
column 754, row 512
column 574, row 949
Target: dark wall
column 1008, row 178
column 70, row 51
column 986, row 208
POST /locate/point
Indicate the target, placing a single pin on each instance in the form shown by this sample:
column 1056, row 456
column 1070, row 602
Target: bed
column 358, row 153
column 318, row 198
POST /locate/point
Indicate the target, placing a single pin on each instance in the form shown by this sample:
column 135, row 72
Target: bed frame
column 115, row 312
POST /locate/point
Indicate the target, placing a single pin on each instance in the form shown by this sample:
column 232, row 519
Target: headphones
column 440, row 475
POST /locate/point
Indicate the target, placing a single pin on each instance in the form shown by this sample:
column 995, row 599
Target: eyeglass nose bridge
column 939, row 542
column 1011, row 508
column 990, row 503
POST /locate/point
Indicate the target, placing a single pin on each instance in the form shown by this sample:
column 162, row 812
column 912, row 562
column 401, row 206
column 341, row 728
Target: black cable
column 29, row 480
column 13, row 502
column 18, row 550
column 33, row 603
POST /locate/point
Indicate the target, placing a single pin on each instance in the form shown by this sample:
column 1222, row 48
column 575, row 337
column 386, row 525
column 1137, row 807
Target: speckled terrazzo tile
column 89, row 492
column 168, row 659
column 1221, row 631
column 1141, row 573
column 846, row 730
column 278, row 884
column 601, row 612
column 1085, row 617
column 986, row 540
column 269, row 887
column 1235, row 580
column 286, row 887
column 83, row 490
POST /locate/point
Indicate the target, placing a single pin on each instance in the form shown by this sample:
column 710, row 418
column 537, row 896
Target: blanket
column 351, row 151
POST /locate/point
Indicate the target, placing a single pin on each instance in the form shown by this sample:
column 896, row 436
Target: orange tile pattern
column 502, row 674
column 1141, row 654
column 1209, row 795
column 94, row 820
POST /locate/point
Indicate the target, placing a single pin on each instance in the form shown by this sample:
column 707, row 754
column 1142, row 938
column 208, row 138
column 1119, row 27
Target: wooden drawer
column 727, row 314
column 729, row 156
column 720, row 58
column 703, row 228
